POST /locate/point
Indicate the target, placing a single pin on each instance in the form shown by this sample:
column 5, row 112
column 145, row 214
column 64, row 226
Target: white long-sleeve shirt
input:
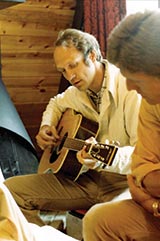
column 118, row 116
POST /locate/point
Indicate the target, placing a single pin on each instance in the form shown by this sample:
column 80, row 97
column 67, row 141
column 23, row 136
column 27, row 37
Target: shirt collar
column 110, row 79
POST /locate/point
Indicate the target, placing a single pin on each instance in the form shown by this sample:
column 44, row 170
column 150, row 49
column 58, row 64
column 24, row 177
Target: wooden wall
column 27, row 34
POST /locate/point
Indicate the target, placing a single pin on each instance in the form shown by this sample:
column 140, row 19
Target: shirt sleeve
column 122, row 160
column 146, row 156
column 57, row 106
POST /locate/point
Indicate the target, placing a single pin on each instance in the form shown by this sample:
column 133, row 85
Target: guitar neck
column 102, row 152
column 74, row 144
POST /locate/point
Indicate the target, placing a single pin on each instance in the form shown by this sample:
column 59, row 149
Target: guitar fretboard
column 74, row 144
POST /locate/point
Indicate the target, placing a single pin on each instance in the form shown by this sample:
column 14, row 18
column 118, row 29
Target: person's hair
column 82, row 41
column 134, row 44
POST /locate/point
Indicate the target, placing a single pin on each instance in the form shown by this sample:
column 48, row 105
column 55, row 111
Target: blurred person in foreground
column 134, row 46
column 15, row 227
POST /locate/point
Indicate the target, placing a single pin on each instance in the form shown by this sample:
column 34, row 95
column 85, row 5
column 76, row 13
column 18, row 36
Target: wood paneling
column 27, row 32
column 8, row 3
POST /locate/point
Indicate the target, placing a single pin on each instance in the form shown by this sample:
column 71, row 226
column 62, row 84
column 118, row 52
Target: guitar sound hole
column 62, row 142
column 57, row 149
column 54, row 155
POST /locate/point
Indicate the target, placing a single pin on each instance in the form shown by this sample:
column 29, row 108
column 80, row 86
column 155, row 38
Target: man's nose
column 70, row 76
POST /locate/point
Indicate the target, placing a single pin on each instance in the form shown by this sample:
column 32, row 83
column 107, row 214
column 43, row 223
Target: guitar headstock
column 103, row 152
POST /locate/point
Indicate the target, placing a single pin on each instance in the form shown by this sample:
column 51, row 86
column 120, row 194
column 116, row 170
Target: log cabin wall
column 27, row 34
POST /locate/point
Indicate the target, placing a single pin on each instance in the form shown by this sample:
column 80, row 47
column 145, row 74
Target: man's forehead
column 65, row 55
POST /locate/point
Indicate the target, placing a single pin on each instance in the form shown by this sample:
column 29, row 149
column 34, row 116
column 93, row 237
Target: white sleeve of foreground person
column 15, row 227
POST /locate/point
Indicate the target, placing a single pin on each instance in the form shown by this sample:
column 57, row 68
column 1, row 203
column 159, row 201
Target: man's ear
column 92, row 55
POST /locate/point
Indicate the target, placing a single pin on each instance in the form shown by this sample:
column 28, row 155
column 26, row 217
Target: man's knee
column 92, row 216
column 11, row 183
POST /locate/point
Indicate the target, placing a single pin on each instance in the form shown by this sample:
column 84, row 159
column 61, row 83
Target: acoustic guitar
column 74, row 129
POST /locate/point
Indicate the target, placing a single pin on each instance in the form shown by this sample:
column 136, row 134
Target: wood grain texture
column 27, row 34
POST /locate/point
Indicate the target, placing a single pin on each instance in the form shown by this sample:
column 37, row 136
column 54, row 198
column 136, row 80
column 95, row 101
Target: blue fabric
column 9, row 117
column 16, row 155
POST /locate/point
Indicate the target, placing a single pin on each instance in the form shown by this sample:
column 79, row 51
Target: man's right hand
column 47, row 136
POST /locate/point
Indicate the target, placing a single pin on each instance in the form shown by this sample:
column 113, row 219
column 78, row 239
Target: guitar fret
column 74, row 144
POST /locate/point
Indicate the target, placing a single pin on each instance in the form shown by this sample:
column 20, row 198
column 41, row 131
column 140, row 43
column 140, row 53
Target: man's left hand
column 140, row 195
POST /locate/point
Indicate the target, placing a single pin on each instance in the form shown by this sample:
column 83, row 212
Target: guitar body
column 62, row 159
